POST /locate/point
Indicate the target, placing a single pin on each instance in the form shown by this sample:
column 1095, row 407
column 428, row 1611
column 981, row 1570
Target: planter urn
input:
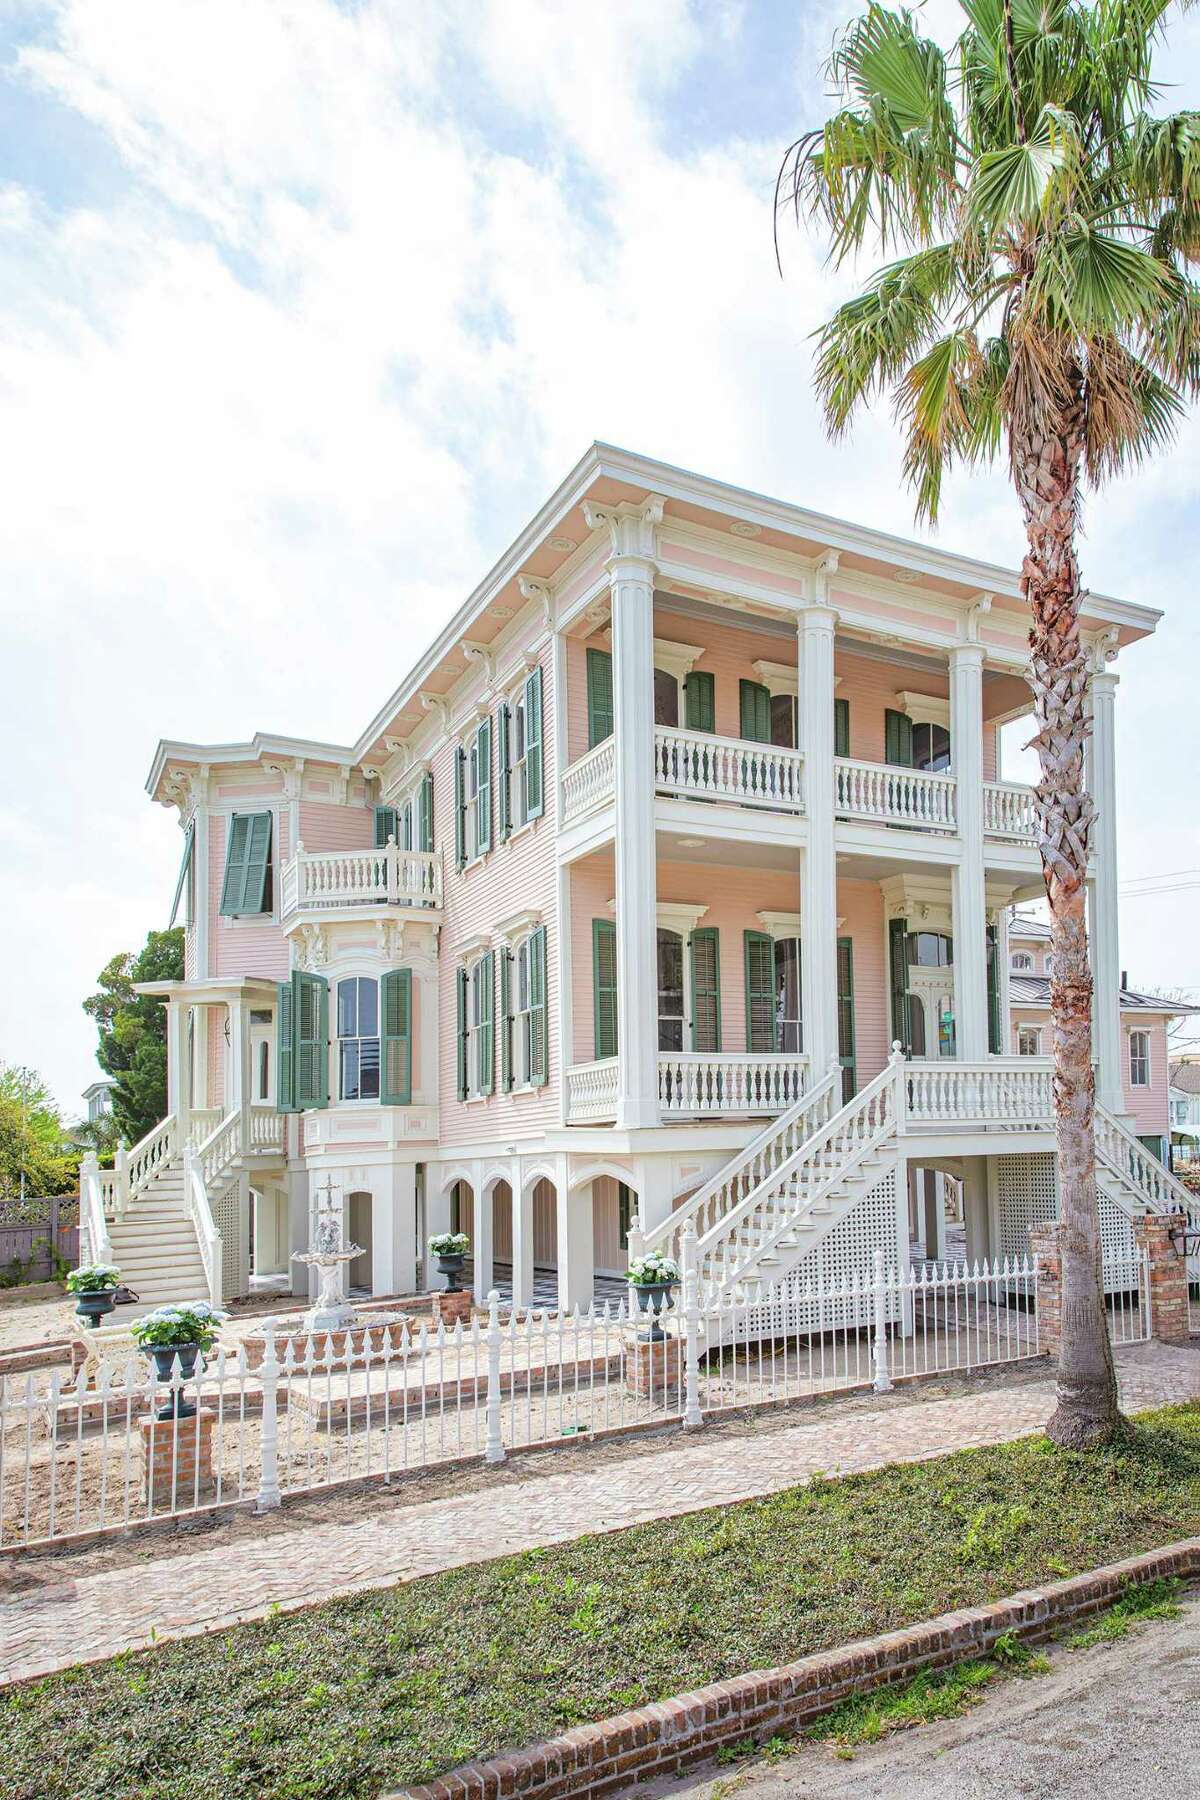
column 176, row 1405
column 654, row 1297
column 451, row 1267
column 91, row 1304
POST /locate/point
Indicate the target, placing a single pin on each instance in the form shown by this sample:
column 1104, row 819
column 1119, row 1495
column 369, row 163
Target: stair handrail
column 222, row 1147
column 1139, row 1169
column 95, row 1245
column 747, row 1165
column 199, row 1211
column 148, row 1155
column 888, row 1083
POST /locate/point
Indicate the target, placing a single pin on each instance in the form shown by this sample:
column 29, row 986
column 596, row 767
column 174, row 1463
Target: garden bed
column 394, row 1686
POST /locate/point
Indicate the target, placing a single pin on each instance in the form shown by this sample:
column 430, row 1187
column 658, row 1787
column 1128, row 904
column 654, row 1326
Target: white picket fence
column 95, row 1458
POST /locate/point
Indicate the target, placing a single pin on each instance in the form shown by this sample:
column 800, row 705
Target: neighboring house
column 692, row 809
column 98, row 1099
column 1184, row 1102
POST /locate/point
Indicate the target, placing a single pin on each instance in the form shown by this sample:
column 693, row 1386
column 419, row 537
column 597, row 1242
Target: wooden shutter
column 311, row 1002
column 387, row 826
column 706, row 989
column 285, row 1049
column 189, row 846
column 755, row 708
column 237, row 845
column 534, row 786
column 483, row 803
column 993, row 992
column 700, row 701
column 460, row 997
column 506, row 1019
column 406, row 826
column 460, row 809
column 503, row 772
column 841, row 728
column 395, row 1031
column 604, row 988
column 897, row 739
column 539, row 1060
column 898, row 970
column 845, row 1018
column 247, row 865
column 424, row 833
column 760, row 993
column 487, row 1015
column 599, row 697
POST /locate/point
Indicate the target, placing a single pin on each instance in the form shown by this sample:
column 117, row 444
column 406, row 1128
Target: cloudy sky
column 306, row 307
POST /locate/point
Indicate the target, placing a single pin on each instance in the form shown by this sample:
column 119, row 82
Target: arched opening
column 359, row 1230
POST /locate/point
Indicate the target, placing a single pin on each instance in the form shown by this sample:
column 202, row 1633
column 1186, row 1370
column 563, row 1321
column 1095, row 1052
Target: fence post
column 883, row 1378
column 693, row 1418
column 268, row 1374
column 494, row 1446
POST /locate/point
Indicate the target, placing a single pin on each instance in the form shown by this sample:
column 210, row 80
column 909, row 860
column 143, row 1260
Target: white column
column 238, row 1089
column 177, row 1080
column 632, row 533
column 655, row 1192
column 522, row 1236
column 576, row 1255
column 393, row 1229
column 1003, row 971
column 970, row 907
column 1102, row 895
column 818, row 864
column 481, row 1239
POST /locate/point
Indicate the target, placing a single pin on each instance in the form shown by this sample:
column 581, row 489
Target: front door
column 845, row 1015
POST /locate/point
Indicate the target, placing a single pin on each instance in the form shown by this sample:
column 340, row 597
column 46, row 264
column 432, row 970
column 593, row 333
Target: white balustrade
column 1017, row 1094
column 690, row 1083
column 198, row 1204
column 148, row 1156
column 320, row 880
column 592, row 1091
column 1009, row 811
column 266, row 1129
column 202, row 1120
column 589, row 782
column 890, row 795
column 695, row 763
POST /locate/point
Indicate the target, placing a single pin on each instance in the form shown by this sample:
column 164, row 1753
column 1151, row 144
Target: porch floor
column 545, row 1284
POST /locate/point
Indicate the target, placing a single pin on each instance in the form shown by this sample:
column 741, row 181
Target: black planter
column 451, row 1267
column 654, row 1297
column 91, row 1304
column 176, row 1405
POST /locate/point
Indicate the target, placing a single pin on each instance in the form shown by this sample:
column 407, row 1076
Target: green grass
column 1153, row 1600
column 391, row 1687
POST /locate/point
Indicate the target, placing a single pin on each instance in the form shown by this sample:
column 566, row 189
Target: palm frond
column 932, row 401
column 870, row 340
column 1130, row 411
column 1091, row 284
column 1011, row 187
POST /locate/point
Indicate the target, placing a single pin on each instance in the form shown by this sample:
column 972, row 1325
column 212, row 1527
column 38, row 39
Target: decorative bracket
column 975, row 612
column 1102, row 649
column 632, row 525
column 481, row 655
column 533, row 589
column 439, row 706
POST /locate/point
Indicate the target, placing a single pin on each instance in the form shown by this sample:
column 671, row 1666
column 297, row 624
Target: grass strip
column 396, row 1685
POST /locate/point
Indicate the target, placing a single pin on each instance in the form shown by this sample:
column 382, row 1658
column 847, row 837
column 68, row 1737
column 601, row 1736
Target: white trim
column 672, row 915
column 676, row 659
column 517, row 925
column 925, row 709
column 782, row 924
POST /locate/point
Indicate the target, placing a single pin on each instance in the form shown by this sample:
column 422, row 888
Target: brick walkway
column 176, row 1596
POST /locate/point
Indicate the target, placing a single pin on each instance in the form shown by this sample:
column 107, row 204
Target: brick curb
column 662, row 1739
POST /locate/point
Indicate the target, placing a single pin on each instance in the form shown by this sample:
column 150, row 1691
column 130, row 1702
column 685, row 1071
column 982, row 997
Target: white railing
column 1016, row 1093
column 1010, row 811
column 320, row 880
column 592, row 1090
column 589, row 782
column 734, row 769
column 147, row 1157
column 884, row 794
column 265, row 1129
column 94, row 1243
column 220, row 1149
column 199, row 1210
column 202, row 1120
column 692, row 1082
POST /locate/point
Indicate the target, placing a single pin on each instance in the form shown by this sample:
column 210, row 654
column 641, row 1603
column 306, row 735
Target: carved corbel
column 533, row 589
column 480, row 655
column 978, row 609
column 1102, row 649
column 632, row 526
column 291, row 773
column 439, row 706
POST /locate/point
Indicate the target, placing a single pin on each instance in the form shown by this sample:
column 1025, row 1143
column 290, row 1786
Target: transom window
column 1029, row 1040
column 1139, row 1059
column 358, row 1037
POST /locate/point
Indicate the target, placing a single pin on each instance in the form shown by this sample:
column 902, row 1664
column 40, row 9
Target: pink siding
column 1147, row 1104
column 326, row 826
column 216, row 1054
column 246, row 946
column 513, row 877
column 860, row 908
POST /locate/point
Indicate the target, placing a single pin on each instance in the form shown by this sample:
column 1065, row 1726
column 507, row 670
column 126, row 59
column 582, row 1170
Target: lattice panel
column 845, row 1254
column 1027, row 1191
column 235, row 1248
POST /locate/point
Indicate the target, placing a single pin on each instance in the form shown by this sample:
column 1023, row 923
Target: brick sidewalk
column 179, row 1595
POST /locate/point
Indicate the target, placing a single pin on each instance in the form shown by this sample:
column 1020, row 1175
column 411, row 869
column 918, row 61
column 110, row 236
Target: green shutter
column 755, row 708
column 760, row 993
column 841, row 728
column 534, row 788
column 539, row 1060
column 247, row 865
column 189, row 845
column 897, row 739
column 486, row 1027
column 311, row 1037
column 236, row 845
column 993, row 992
column 845, row 1018
column 460, row 996
column 504, row 773
column 604, row 988
column 395, row 1032
column 483, row 759
column 285, row 1049
column 700, row 701
column 599, row 697
column 424, row 832
column 898, row 968
column 387, row 826
column 506, row 1019
column 460, row 809
column 706, row 990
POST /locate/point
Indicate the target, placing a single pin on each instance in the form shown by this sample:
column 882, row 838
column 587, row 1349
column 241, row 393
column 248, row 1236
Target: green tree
column 133, row 1031
column 33, row 1138
column 1044, row 219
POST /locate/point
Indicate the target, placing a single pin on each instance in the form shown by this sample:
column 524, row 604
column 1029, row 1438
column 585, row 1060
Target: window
column 185, row 887
column 774, row 1019
column 930, row 747
column 666, row 698
column 670, row 990
column 783, row 720
column 519, row 754
column 789, row 1033
column 476, row 988
column 1139, row 1059
column 929, row 950
column 624, row 1212
column 358, row 1038
column 523, row 1002
column 1029, row 1040
column 247, row 887
column 1021, row 962
column 473, row 795
column 599, row 697
column 264, row 1071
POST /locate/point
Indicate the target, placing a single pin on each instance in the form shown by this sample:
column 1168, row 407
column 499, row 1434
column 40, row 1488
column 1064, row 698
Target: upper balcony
column 326, row 882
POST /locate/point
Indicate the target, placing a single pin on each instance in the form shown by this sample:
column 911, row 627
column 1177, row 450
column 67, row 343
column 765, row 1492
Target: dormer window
column 1022, row 962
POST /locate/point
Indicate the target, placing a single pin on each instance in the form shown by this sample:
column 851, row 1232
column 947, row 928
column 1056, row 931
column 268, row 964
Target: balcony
column 698, row 765
column 694, row 1085
column 343, row 880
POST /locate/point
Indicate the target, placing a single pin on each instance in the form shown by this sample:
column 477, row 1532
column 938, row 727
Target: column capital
column 817, row 617
column 632, row 525
column 964, row 655
column 1101, row 649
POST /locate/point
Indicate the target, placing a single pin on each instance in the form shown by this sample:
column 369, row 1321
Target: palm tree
column 1044, row 219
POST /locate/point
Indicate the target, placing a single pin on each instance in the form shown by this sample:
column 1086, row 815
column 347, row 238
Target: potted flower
column 450, row 1248
column 652, row 1279
column 186, row 1332
column 95, row 1289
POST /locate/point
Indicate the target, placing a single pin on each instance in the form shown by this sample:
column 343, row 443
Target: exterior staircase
column 154, row 1243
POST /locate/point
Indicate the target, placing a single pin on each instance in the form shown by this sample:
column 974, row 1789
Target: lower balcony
column 330, row 881
column 693, row 1085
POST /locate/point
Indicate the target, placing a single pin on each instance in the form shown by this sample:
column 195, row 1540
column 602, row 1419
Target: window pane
column 348, row 1008
column 783, row 720
column 787, row 996
column 368, row 1007
column 670, row 991
column 350, row 1069
column 666, row 698
column 368, row 1068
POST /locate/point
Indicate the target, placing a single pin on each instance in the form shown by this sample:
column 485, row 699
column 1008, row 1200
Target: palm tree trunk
column 1046, row 471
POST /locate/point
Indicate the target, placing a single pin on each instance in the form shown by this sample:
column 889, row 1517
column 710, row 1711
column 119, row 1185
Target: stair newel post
column 634, row 1249
column 268, row 1497
column 900, row 1098
column 883, row 1376
column 121, row 1171
column 494, row 1444
column 692, row 1416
